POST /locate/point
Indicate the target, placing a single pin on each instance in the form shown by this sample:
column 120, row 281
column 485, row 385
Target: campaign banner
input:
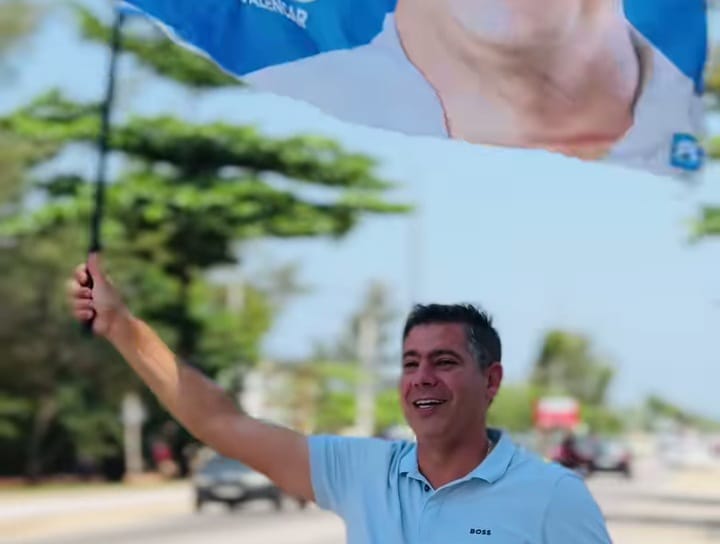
column 600, row 80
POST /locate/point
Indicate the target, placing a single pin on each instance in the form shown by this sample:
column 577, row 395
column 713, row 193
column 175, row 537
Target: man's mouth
column 428, row 404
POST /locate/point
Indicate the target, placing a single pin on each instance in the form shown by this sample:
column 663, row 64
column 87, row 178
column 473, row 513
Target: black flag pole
column 103, row 145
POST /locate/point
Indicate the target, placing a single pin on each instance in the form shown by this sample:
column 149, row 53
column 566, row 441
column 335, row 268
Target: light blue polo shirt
column 512, row 497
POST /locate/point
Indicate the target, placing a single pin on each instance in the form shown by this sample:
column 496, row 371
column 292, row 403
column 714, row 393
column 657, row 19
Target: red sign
column 557, row 413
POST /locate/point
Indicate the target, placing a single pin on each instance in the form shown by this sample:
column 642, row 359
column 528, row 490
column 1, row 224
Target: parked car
column 572, row 454
column 228, row 481
column 612, row 456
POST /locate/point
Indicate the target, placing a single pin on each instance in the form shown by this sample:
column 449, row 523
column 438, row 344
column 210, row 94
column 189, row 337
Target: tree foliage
column 160, row 54
column 512, row 408
column 658, row 409
column 58, row 392
column 323, row 390
column 319, row 397
column 185, row 199
column 567, row 364
column 707, row 224
column 17, row 20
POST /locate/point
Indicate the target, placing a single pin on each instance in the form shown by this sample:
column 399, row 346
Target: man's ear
column 494, row 375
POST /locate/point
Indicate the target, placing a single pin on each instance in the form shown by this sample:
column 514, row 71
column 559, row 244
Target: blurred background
column 279, row 250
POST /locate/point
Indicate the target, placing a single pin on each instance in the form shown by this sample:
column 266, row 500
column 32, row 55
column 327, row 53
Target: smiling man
column 460, row 480
column 451, row 373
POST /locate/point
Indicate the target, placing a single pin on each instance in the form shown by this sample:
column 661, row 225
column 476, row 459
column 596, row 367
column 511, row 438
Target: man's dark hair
column 483, row 339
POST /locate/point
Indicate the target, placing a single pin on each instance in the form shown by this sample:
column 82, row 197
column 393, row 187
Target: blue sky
column 540, row 240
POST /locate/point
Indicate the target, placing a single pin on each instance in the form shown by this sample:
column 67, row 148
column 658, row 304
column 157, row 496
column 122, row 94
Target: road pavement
column 656, row 507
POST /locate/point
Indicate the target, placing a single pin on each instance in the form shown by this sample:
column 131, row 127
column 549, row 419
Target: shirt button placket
column 427, row 523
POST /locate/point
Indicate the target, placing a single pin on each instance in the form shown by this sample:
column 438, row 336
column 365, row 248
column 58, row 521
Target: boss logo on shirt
column 481, row 532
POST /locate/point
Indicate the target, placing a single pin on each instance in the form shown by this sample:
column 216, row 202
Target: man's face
column 443, row 391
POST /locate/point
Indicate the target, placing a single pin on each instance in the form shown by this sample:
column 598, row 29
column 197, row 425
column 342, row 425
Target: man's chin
column 429, row 430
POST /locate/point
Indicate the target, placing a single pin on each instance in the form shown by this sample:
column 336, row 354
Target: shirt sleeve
column 341, row 466
column 573, row 515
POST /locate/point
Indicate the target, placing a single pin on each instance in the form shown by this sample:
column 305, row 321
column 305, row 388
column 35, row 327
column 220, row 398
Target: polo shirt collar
column 491, row 469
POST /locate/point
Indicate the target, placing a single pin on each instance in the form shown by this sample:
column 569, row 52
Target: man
column 459, row 482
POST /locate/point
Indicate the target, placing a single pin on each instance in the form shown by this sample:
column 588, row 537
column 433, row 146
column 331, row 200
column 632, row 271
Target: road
column 651, row 508
column 638, row 513
column 257, row 525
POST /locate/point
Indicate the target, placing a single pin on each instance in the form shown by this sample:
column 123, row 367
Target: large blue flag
column 593, row 79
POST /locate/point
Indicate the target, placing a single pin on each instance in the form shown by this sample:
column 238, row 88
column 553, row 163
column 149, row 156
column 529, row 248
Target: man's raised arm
column 196, row 402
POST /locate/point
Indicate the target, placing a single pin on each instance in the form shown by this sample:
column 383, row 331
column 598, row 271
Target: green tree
column 376, row 305
column 602, row 419
column 567, row 364
column 195, row 191
column 388, row 412
column 512, row 409
column 59, row 402
column 159, row 54
column 707, row 224
column 17, row 20
column 367, row 343
column 658, row 409
column 185, row 200
column 26, row 403
column 319, row 397
column 316, row 395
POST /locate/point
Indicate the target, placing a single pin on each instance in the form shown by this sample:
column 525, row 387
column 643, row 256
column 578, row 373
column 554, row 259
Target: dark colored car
column 230, row 482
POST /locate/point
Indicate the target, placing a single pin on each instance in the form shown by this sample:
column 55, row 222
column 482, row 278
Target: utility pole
column 133, row 416
column 368, row 337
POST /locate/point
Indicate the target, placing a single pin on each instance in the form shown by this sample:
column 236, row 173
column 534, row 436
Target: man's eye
column 410, row 364
column 445, row 362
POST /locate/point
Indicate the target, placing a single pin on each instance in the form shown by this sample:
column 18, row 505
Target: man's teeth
column 427, row 403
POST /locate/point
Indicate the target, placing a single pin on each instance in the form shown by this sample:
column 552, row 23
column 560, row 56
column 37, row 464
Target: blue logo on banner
column 687, row 153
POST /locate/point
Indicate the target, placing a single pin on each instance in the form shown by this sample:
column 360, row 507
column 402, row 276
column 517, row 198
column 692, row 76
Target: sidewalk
column 25, row 515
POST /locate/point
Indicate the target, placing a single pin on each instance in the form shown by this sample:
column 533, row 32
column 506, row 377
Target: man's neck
column 536, row 90
column 445, row 462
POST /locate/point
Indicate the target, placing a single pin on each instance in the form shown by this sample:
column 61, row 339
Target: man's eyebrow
column 439, row 352
column 433, row 354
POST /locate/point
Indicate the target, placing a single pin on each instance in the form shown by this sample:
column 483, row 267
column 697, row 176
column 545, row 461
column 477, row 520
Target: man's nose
column 425, row 376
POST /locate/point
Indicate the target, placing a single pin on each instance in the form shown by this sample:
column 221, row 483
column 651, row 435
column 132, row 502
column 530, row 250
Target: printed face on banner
column 557, row 75
column 575, row 77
